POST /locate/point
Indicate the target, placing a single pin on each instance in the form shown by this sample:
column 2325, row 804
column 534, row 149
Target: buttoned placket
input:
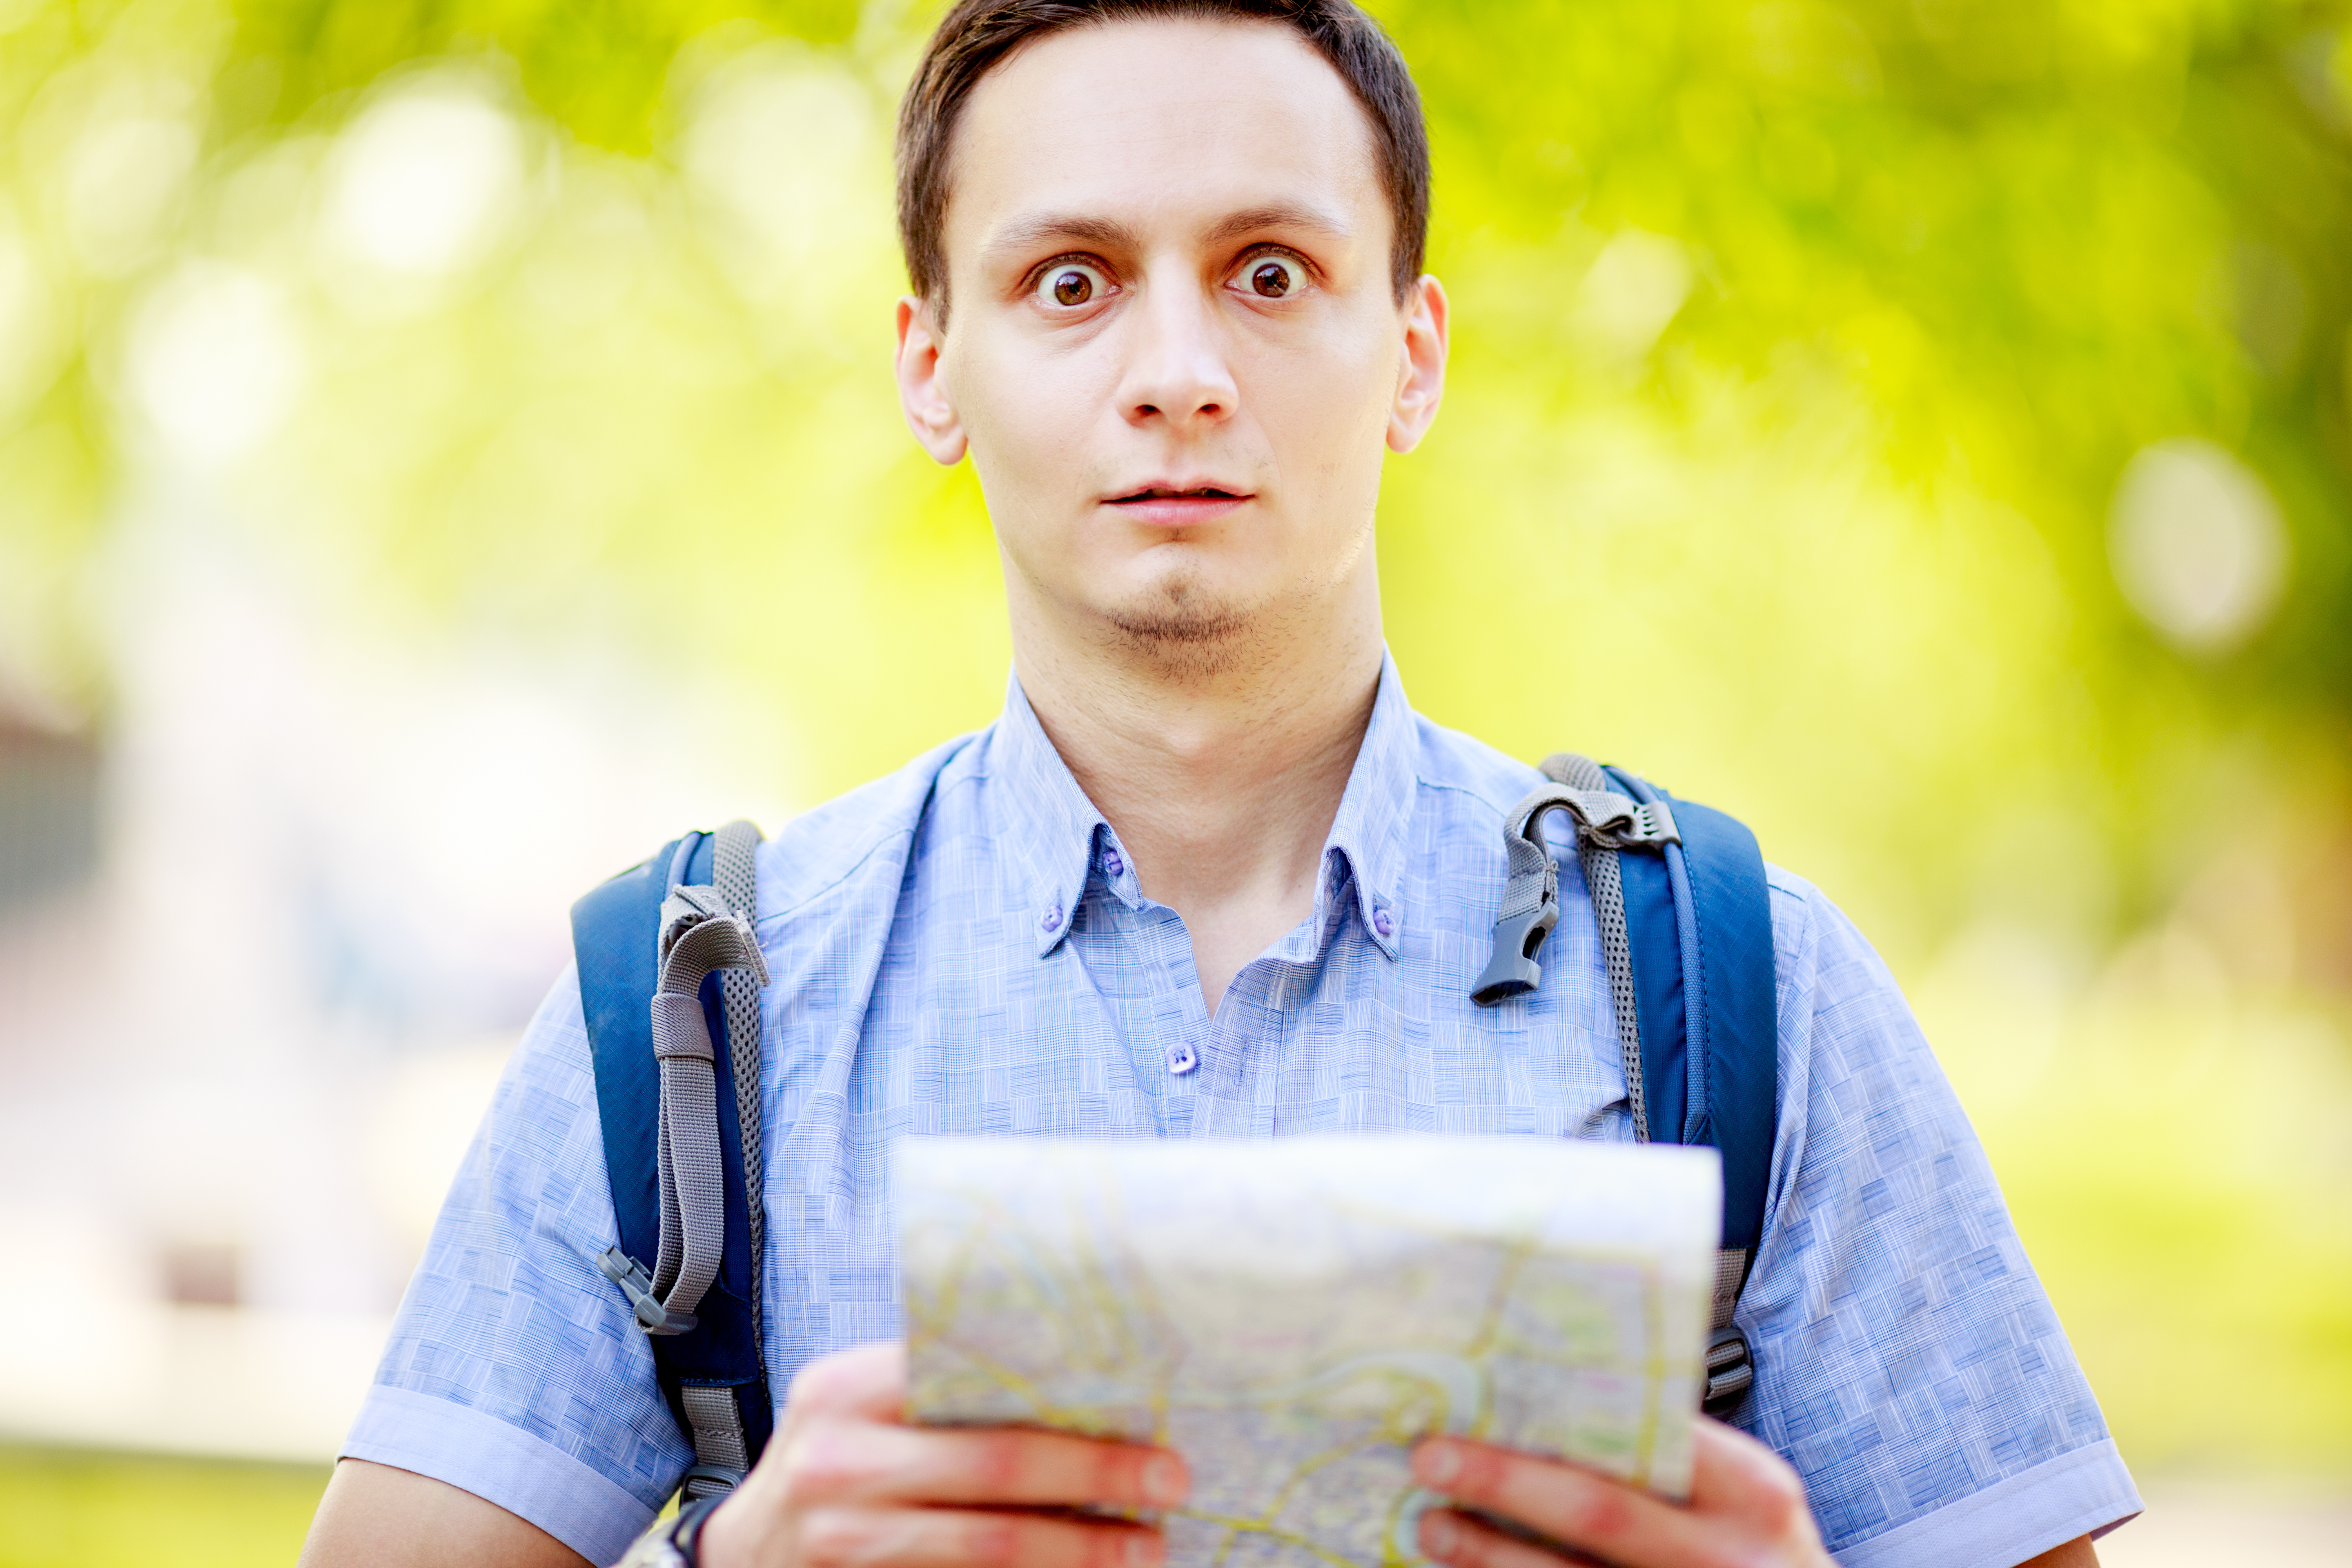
column 1205, row 1060
column 1261, row 995
column 1137, row 957
column 1139, row 954
column 1184, row 1057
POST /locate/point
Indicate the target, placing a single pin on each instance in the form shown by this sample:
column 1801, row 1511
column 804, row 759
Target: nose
column 1176, row 373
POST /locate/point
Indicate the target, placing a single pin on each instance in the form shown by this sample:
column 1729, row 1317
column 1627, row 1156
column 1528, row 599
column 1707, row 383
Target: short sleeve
column 514, row 1370
column 1908, row 1361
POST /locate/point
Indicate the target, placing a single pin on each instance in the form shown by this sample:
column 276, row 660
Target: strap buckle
column 1730, row 1370
column 1513, row 971
column 1613, row 821
column 709, row 1481
column 698, row 912
column 638, row 1286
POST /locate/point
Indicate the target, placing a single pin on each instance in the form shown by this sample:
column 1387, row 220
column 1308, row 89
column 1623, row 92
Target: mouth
column 1169, row 505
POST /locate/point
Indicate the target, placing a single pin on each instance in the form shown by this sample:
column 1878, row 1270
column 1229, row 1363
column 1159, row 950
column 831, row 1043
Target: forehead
column 1161, row 121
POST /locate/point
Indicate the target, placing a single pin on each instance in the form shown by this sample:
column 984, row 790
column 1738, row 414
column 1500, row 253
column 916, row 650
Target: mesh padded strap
column 1605, row 879
column 734, row 876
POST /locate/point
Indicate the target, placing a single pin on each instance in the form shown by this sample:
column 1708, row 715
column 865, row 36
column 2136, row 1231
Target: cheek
column 1026, row 411
column 1327, row 413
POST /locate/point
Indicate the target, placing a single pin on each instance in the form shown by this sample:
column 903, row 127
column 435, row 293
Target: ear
column 1421, row 366
column 922, row 390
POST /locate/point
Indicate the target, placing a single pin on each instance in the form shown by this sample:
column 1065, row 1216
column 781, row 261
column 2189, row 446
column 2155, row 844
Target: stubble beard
column 1185, row 629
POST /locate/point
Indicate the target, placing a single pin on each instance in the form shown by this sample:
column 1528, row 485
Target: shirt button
column 1382, row 923
column 1052, row 918
column 1183, row 1061
column 1113, row 864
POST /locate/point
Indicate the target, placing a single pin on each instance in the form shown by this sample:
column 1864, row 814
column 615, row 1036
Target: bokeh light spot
column 2197, row 544
column 120, row 180
column 1630, row 293
column 785, row 146
column 215, row 361
column 30, row 332
column 424, row 180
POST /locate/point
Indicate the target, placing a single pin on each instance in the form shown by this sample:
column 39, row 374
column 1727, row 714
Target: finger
column 1462, row 1542
column 1581, row 1508
column 831, row 1461
column 867, row 1380
column 950, row 1537
column 1733, row 1474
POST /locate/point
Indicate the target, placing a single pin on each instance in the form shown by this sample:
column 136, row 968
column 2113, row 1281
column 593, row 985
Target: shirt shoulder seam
column 902, row 833
column 1473, row 792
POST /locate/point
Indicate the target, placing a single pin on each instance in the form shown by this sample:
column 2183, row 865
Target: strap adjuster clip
column 1730, row 1370
column 638, row 1286
column 1613, row 821
column 1513, row 971
column 709, row 1480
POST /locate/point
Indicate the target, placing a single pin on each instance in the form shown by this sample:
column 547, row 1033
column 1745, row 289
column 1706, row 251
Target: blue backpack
column 670, row 969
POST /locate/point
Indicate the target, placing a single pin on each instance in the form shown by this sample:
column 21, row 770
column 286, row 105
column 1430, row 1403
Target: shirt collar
column 1054, row 834
column 1375, row 814
column 1051, row 828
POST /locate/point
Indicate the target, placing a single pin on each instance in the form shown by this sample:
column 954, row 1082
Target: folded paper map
column 1292, row 1314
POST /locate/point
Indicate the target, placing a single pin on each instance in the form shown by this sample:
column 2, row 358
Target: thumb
column 868, row 1381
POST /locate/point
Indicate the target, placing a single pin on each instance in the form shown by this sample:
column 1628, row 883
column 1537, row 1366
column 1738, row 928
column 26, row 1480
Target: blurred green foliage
column 63, row 1508
column 1955, row 264
column 1805, row 353
column 597, row 67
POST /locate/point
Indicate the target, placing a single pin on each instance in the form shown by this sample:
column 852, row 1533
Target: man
column 1208, row 874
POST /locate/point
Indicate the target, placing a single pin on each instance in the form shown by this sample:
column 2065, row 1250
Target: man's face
column 1173, row 345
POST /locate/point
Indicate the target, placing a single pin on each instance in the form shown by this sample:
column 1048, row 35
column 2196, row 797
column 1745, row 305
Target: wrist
column 687, row 1534
column 675, row 1542
column 720, row 1537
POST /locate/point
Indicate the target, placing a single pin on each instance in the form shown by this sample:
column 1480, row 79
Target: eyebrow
column 1279, row 214
column 1070, row 229
column 1054, row 228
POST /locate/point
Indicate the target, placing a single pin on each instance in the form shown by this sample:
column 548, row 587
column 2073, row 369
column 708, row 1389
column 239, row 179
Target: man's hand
column 1747, row 1509
column 845, row 1481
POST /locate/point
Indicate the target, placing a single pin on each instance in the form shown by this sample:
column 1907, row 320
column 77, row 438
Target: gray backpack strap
column 1730, row 1360
column 1615, row 811
column 722, row 1455
column 1604, row 879
column 652, row 945
column 735, row 878
column 1606, row 822
column 1731, row 1264
column 704, row 928
column 698, row 934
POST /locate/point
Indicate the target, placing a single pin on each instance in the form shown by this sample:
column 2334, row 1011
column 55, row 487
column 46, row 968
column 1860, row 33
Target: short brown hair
column 978, row 35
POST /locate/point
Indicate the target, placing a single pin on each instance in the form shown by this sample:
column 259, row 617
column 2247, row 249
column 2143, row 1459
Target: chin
column 1182, row 626
column 1183, row 622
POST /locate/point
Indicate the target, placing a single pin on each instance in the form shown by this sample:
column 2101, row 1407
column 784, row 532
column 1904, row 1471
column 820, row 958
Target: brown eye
column 1272, row 276
column 1069, row 284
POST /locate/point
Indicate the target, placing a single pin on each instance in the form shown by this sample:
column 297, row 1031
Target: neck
column 1221, row 768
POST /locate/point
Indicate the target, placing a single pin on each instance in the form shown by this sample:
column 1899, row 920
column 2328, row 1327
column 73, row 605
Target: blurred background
column 447, row 447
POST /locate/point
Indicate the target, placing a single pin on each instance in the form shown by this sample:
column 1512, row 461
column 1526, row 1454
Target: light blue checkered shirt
column 962, row 948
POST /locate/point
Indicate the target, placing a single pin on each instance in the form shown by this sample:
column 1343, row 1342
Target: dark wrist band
column 686, row 1535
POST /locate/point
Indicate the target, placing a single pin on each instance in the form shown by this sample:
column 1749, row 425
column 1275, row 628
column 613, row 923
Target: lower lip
column 1178, row 511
